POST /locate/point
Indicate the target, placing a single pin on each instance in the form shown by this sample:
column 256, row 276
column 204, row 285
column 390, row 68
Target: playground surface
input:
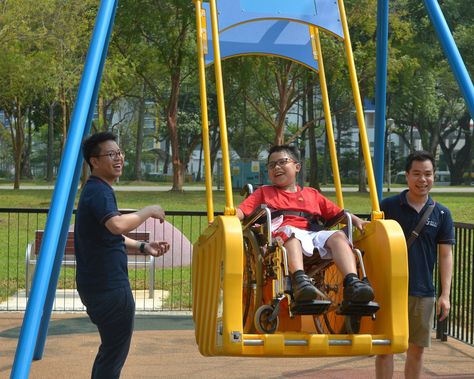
column 163, row 346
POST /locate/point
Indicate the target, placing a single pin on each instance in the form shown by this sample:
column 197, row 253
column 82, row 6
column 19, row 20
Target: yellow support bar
column 376, row 214
column 201, row 42
column 316, row 42
column 229, row 207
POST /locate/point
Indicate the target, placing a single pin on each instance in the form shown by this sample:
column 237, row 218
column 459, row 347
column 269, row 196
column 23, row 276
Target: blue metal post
column 452, row 53
column 43, row 331
column 61, row 195
column 380, row 94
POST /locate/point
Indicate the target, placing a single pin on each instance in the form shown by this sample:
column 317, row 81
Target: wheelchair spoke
column 330, row 282
column 252, row 280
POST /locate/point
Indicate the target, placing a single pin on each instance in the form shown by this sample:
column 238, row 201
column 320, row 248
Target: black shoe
column 303, row 289
column 358, row 291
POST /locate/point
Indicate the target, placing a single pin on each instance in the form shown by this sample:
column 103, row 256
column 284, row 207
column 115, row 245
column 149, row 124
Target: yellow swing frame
column 217, row 269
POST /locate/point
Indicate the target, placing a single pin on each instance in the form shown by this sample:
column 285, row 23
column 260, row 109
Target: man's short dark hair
column 292, row 151
column 420, row 156
column 90, row 146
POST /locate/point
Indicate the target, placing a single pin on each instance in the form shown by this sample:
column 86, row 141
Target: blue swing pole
column 43, row 331
column 452, row 53
column 61, row 199
column 380, row 93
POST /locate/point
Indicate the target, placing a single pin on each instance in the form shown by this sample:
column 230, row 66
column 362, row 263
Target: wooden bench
column 69, row 258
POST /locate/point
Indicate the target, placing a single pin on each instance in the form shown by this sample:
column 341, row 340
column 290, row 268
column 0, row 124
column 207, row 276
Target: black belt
column 316, row 223
column 306, row 215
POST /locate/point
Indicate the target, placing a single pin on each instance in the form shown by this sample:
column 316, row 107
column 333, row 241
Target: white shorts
column 309, row 240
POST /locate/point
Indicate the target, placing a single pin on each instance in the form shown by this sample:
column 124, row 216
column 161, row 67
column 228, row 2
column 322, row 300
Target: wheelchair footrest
column 358, row 309
column 314, row 307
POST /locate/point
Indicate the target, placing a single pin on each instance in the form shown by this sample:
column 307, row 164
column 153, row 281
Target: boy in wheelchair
column 296, row 230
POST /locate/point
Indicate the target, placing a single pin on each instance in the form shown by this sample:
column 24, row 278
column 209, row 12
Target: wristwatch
column 142, row 247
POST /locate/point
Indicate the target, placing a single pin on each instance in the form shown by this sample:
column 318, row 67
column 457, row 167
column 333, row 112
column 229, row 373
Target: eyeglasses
column 280, row 162
column 114, row 155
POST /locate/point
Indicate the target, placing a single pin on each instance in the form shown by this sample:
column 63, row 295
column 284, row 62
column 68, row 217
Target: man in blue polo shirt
column 437, row 236
column 102, row 274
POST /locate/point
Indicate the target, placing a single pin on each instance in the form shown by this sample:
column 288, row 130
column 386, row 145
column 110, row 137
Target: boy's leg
column 342, row 253
column 295, row 254
column 303, row 289
column 355, row 290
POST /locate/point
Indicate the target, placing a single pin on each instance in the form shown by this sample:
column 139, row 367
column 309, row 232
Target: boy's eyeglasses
column 280, row 162
column 114, row 155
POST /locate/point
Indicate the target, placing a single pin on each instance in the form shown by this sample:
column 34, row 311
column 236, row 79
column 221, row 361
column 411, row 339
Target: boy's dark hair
column 90, row 146
column 419, row 156
column 292, row 151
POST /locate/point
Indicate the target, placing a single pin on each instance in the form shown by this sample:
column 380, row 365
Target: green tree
column 158, row 39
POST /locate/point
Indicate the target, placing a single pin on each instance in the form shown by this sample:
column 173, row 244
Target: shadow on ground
column 82, row 325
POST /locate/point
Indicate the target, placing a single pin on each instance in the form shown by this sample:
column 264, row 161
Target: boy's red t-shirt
column 307, row 200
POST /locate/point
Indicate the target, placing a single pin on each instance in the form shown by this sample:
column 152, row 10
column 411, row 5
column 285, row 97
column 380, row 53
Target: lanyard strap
column 416, row 232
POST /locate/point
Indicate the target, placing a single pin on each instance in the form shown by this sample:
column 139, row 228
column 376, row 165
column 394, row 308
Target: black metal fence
column 460, row 323
column 165, row 287
column 170, row 287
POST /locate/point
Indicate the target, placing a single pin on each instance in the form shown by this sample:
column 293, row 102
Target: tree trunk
column 313, row 152
column 280, row 130
column 166, row 163
column 64, row 119
column 17, row 134
column 362, row 173
column 50, row 148
column 285, row 90
column 172, row 123
column 198, row 176
column 302, row 145
column 26, row 155
column 137, row 172
column 324, row 179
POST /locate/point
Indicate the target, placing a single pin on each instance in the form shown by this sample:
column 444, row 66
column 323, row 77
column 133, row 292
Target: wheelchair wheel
column 352, row 324
column 252, row 281
column 330, row 282
column 262, row 322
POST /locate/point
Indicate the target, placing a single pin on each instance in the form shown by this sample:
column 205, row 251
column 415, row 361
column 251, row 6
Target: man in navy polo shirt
column 436, row 236
column 102, row 274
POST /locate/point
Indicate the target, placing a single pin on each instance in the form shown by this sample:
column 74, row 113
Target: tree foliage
column 152, row 67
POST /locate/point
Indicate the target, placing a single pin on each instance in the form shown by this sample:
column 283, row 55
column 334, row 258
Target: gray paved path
column 164, row 347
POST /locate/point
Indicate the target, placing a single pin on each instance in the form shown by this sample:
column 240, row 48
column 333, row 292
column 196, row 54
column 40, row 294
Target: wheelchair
column 267, row 292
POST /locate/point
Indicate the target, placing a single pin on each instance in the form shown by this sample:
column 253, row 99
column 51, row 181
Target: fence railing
column 172, row 274
column 460, row 323
column 171, row 287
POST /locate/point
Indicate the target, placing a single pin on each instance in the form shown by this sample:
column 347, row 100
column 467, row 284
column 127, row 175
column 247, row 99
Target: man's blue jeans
column 113, row 312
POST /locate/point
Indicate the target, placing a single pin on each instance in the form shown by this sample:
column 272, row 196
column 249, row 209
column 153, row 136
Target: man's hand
column 155, row 211
column 442, row 307
column 157, row 248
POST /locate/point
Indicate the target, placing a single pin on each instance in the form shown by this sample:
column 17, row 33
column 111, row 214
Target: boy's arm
column 249, row 204
column 240, row 214
column 358, row 222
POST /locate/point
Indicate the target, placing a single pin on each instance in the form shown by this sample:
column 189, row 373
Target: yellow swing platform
column 240, row 302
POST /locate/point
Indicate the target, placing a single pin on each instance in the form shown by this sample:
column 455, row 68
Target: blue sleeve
column 104, row 206
column 446, row 230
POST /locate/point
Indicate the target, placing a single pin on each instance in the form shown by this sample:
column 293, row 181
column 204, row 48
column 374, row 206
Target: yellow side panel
column 386, row 263
column 217, row 288
column 217, row 299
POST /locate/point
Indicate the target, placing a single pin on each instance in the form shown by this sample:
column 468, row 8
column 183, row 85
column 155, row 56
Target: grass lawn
column 460, row 204
column 16, row 230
